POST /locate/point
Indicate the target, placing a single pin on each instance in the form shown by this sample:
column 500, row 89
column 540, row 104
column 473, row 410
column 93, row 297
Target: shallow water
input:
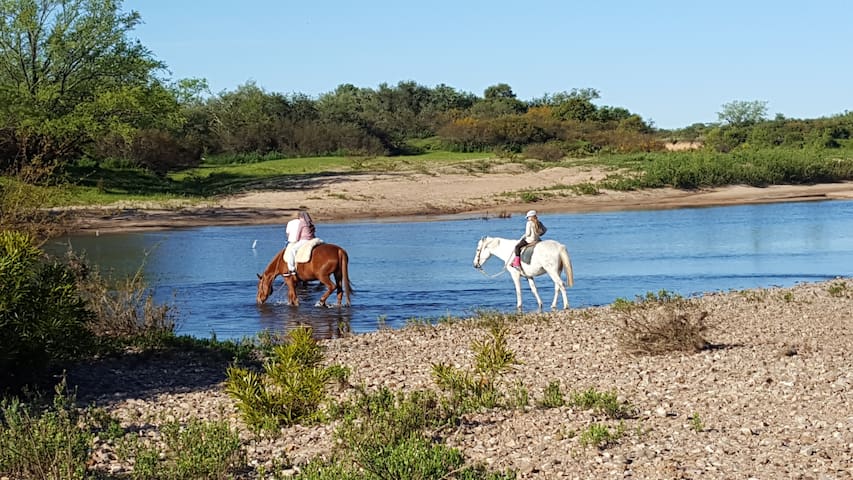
column 423, row 270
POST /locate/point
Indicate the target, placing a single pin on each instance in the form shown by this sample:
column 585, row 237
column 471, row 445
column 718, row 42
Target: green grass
column 91, row 185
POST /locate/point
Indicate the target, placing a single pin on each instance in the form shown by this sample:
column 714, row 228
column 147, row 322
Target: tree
column 743, row 113
column 69, row 74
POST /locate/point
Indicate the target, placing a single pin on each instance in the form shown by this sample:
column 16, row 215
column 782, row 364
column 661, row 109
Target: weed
column 696, row 423
column 291, row 388
column 478, row 389
column 606, row 403
column 529, row 197
column 599, row 435
column 838, row 289
column 43, row 444
column 585, row 188
column 552, row 397
column 195, row 450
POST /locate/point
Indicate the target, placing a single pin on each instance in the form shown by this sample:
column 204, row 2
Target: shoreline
column 413, row 204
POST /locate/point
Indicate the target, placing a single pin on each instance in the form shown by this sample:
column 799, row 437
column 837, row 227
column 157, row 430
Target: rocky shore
column 771, row 398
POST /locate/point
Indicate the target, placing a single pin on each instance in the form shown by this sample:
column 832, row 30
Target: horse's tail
column 343, row 257
column 567, row 264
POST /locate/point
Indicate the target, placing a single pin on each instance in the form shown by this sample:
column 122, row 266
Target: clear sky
column 675, row 63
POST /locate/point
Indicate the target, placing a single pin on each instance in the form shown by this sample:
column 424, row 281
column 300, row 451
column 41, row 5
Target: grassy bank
column 92, row 185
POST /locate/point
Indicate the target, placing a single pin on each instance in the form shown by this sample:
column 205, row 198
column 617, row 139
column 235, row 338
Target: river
column 422, row 270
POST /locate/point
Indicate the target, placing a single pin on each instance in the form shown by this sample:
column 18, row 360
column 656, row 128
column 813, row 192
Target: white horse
column 547, row 256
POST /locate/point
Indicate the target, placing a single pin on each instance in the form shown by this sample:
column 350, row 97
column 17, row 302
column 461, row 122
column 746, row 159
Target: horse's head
column 483, row 252
column 264, row 288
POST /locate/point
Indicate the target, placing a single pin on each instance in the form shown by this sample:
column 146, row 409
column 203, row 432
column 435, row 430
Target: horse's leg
column 339, row 286
column 516, row 279
column 330, row 287
column 535, row 292
column 558, row 288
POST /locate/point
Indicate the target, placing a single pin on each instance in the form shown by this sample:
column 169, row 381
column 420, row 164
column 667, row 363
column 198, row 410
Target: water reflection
column 276, row 316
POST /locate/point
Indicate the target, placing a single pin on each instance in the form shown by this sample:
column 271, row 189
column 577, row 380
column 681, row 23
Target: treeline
column 74, row 87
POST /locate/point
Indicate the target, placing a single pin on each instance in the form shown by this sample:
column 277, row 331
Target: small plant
column 529, row 197
column 47, row 443
column 552, row 397
column 602, row 402
column 696, row 423
column 195, row 450
column 600, row 436
column 478, row 389
column 585, row 188
column 788, row 297
column 291, row 388
column 838, row 289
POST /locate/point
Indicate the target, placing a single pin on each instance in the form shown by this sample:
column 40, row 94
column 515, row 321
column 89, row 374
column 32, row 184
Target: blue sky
column 672, row 62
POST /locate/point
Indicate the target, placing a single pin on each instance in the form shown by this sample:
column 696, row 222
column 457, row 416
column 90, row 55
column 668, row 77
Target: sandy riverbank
column 421, row 196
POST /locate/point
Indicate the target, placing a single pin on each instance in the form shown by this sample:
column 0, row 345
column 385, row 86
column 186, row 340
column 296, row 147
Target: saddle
column 303, row 255
column 527, row 252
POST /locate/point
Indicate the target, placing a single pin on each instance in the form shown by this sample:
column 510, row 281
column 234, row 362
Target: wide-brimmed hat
column 531, row 213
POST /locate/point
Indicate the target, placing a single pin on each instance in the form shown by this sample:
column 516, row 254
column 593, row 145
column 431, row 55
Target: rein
column 480, row 267
column 503, row 270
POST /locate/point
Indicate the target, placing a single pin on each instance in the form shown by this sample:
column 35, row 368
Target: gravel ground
column 774, row 392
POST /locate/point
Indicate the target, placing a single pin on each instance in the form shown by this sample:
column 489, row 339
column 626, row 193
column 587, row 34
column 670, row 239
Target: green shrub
column 199, row 449
column 606, row 403
column 42, row 317
column 291, row 388
column 599, row 435
column 478, row 389
column 385, row 435
column 48, row 444
column 552, row 397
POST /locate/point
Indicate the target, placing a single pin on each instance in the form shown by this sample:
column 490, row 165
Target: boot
column 516, row 262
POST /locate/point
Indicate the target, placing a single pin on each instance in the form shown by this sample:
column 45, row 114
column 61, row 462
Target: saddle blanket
column 304, row 253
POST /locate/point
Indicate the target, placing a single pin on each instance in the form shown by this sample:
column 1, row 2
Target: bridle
column 479, row 267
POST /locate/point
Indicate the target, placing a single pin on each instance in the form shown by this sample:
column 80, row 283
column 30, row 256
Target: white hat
column 531, row 213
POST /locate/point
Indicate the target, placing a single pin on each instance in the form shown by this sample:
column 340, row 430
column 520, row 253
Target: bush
column 547, row 152
column 198, row 449
column 661, row 324
column 291, row 388
column 42, row 317
column 48, row 444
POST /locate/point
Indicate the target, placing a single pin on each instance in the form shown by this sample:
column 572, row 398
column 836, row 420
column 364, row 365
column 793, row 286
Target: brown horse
column 326, row 260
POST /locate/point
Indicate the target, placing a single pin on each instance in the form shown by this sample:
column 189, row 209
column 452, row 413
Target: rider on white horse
column 533, row 231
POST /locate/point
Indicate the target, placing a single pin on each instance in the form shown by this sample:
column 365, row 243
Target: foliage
column 47, row 444
column 122, row 308
column 73, row 76
column 479, row 389
column 42, row 317
column 24, row 209
column 839, row 289
column 291, row 388
column 382, row 435
column 600, row 435
column 198, row 449
column 739, row 112
column 606, row 403
column 696, row 423
column 552, row 397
